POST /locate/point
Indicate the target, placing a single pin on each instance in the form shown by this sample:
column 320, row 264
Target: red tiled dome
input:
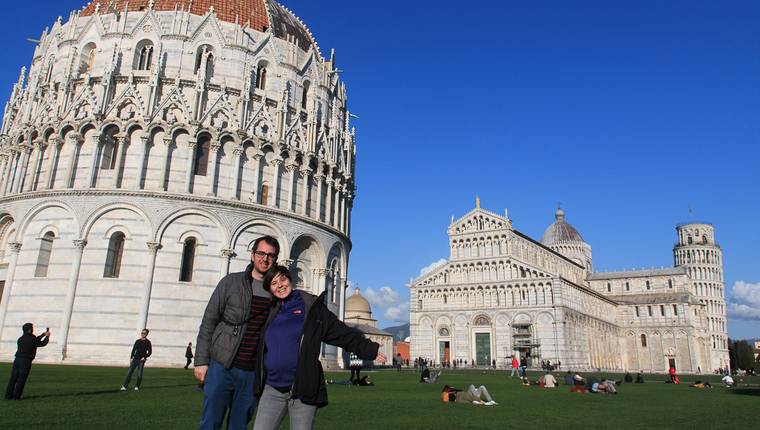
column 261, row 15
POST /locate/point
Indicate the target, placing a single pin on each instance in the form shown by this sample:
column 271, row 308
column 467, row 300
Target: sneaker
column 477, row 402
column 137, row 388
column 491, row 403
column 123, row 388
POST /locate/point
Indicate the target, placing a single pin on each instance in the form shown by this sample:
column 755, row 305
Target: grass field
column 72, row 397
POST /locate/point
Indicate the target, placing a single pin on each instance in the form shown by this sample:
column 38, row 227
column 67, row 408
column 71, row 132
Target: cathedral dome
column 260, row 15
column 357, row 304
column 560, row 231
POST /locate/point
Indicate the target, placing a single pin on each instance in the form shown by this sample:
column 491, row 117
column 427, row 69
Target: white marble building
column 149, row 145
column 502, row 293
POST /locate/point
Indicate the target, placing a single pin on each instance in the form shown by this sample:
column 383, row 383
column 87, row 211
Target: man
column 225, row 353
column 141, row 350
column 398, row 362
column 549, row 381
column 355, row 364
column 189, row 354
column 22, row 365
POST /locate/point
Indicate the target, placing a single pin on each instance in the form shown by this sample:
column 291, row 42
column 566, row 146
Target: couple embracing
column 259, row 342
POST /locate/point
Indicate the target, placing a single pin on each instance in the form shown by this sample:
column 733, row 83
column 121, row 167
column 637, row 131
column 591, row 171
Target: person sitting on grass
column 628, row 377
column 548, row 381
column 429, row 378
column 728, row 381
column 476, row 396
column 569, row 378
column 525, row 381
column 578, row 380
column 639, row 378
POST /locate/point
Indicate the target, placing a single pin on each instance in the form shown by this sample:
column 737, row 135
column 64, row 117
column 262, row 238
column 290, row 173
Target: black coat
column 320, row 325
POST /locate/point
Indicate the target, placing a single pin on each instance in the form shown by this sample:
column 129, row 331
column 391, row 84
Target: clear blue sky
column 627, row 112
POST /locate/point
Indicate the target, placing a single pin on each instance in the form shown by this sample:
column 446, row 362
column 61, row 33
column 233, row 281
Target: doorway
column 444, row 352
column 483, row 349
column 672, row 363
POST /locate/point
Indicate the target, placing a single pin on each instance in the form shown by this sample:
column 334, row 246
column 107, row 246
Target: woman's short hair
column 273, row 272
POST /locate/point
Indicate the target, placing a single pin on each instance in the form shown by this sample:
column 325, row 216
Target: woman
column 289, row 376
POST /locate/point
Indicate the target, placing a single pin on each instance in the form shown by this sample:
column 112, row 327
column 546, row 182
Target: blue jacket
column 282, row 339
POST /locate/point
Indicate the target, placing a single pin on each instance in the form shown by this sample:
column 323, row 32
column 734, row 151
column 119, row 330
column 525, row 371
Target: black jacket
column 28, row 344
column 320, row 325
column 142, row 349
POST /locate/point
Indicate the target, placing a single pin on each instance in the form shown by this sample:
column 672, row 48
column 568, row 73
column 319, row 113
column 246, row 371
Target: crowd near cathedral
column 150, row 142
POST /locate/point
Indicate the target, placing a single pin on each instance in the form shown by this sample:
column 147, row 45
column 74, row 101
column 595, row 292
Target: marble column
column 329, row 201
column 153, row 248
column 164, row 184
column 189, row 166
column 15, row 248
column 145, row 140
column 305, row 173
column 121, row 142
column 336, row 205
column 236, row 189
column 22, row 168
column 10, row 172
column 4, row 158
column 291, row 167
column 212, row 158
column 71, row 295
column 256, row 192
column 55, row 147
column 320, row 179
column 39, row 151
column 76, row 140
column 275, row 181
column 96, row 147
column 227, row 255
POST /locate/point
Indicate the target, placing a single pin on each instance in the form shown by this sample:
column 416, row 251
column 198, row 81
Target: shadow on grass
column 749, row 391
column 98, row 392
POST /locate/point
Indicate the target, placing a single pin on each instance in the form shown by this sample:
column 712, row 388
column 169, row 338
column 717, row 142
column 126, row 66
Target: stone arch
column 193, row 211
column 306, row 255
column 102, row 210
column 32, row 213
column 246, row 233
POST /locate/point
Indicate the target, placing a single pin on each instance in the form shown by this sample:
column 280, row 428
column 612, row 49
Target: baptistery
column 146, row 147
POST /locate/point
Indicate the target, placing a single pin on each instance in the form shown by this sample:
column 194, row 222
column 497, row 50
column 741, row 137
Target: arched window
column 87, row 59
column 643, row 340
column 648, row 286
column 704, row 239
column 110, row 149
column 204, row 59
column 305, row 96
column 113, row 256
column 188, row 258
column 43, row 258
column 201, row 155
column 609, row 287
column 49, row 74
column 261, row 77
column 264, row 194
column 443, row 332
column 144, row 55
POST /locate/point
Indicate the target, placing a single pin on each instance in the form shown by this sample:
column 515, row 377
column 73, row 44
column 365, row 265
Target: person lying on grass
column 289, row 377
column 428, row 377
column 476, row 396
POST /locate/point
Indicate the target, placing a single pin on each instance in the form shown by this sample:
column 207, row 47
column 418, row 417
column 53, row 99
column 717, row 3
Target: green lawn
column 88, row 397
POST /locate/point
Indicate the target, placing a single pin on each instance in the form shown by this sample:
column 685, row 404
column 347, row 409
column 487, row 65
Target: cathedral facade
column 503, row 294
column 149, row 144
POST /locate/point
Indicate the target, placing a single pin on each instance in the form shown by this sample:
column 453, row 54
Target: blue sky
column 627, row 112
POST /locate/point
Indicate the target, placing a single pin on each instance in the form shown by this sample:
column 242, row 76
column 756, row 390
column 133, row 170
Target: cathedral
column 148, row 144
column 503, row 294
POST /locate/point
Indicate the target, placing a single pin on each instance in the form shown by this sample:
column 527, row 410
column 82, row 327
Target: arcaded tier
column 150, row 144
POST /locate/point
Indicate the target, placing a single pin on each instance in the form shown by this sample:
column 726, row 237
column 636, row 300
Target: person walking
column 289, row 376
column 141, row 350
column 22, row 365
column 515, row 365
column 228, row 339
column 189, row 354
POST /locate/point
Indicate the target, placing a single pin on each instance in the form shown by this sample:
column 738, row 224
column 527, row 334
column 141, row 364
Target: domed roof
column 261, row 15
column 560, row 231
column 357, row 303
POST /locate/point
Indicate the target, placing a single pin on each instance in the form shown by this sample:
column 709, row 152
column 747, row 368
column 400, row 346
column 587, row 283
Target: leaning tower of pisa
column 700, row 254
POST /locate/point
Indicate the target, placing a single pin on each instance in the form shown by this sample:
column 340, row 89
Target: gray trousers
column 480, row 392
column 273, row 405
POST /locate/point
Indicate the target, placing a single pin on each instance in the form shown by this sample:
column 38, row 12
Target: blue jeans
column 138, row 364
column 225, row 389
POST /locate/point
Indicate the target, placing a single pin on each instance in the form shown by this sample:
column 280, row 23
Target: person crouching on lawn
column 289, row 377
